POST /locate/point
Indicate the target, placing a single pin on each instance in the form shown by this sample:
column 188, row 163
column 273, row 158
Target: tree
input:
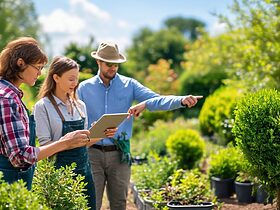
column 81, row 54
column 18, row 18
column 187, row 26
column 148, row 47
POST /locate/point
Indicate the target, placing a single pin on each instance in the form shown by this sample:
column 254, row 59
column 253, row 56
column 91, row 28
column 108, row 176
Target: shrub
column 216, row 116
column 187, row 147
column 153, row 174
column 155, row 138
column 257, row 131
column 225, row 163
column 16, row 196
column 59, row 188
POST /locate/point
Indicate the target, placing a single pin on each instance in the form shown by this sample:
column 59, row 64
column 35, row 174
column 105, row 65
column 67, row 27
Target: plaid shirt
column 14, row 127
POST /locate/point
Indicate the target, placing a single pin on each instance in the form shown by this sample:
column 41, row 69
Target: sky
column 66, row 21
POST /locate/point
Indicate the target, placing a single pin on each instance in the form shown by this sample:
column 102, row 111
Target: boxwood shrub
column 187, row 147
column 216, row 117
column 257, row 131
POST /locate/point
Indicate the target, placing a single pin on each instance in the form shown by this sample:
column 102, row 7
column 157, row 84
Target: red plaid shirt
column 14, row 127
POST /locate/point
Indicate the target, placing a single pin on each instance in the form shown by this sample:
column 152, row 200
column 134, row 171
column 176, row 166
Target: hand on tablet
column 110, row 132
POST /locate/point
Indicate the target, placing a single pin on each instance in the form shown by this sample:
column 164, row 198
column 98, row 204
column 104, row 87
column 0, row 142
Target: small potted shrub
column 257, row 132
column 223, row 169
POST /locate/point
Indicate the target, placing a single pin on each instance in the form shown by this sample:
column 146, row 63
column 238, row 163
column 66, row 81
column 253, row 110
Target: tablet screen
column 106, row 121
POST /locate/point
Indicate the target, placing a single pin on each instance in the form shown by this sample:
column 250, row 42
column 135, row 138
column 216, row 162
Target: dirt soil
column 228, row 204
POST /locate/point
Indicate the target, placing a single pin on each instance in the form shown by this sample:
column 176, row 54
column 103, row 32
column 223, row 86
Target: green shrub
column 216, row 117
column 155, row 138
column 15, row 196
column 257, row 131
column 187, row 147
column 153, row 174
column 59, row 188
column 225, row 163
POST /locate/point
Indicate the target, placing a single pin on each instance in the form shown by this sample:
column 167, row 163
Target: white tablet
column 106, row 121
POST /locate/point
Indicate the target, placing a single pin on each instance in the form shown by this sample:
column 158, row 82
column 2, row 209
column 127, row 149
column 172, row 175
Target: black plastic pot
column 223, row 188
column 262, row 195
column 173, row 205
column 244, row 192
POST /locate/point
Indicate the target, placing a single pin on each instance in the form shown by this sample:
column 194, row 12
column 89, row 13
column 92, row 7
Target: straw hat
column 108, row 52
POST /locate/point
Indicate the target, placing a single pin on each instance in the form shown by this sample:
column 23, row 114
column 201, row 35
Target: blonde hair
column 25, row 48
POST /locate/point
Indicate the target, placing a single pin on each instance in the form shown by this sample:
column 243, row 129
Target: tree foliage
column 187, row 26
column 148, row 47
column 256, row 43
column 81, row 54
column 18, row 18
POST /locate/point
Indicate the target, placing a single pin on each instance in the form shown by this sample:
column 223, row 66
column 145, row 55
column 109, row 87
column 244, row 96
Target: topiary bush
column 257, row 132
column 216, row 116
column 59, row 188
column 187, row 147
column 16, row 196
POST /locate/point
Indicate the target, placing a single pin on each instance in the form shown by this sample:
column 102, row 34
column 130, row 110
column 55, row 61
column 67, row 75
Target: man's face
column 108, row 70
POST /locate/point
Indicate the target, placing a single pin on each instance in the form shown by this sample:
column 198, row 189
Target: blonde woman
column 59, row 112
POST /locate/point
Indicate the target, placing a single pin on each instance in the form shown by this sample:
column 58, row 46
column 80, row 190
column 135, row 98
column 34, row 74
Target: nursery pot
column 223, row 188
column 173, row 205
column 244, row 191
column 149, row 204
column 262, row 195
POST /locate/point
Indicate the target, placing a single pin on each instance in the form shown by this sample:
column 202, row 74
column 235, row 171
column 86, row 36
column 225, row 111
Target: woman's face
column 67, row 82
column 31, row 73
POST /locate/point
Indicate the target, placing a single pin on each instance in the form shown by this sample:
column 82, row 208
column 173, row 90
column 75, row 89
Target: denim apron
column 13, row 174
column 77, row 155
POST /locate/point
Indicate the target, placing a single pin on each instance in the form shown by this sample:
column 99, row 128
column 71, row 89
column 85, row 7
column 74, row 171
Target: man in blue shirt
column 110, row 92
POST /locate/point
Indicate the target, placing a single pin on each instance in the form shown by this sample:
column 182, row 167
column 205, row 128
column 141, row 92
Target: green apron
column 77, row 155
column 13, row 174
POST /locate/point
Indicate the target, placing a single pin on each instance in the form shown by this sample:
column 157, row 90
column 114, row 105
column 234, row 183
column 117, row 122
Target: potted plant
column 244, row 187
column 184, row 190
column 192, row 191
column 257, row 132
column 151, row 175
column 223, row 168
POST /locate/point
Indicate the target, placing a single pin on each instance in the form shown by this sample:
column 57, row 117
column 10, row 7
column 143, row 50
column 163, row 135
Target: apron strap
column 58, row 110
column 78, row 109
column 56, row 107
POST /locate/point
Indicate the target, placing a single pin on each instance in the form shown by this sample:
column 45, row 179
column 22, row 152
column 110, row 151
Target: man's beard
column 107, row 76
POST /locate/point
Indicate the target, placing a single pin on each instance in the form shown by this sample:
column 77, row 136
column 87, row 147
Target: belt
column 108, row 148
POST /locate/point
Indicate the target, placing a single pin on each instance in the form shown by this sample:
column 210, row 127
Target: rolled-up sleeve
column 15, row 134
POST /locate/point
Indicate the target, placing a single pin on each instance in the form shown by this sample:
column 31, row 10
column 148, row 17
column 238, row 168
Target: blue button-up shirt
column 118, row 97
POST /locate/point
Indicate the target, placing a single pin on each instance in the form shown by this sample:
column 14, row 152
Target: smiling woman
column 19, row 64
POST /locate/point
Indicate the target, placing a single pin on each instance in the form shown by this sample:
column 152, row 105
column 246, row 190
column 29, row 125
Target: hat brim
column 121, row 59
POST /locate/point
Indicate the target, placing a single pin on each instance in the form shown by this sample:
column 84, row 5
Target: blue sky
column 75, row 20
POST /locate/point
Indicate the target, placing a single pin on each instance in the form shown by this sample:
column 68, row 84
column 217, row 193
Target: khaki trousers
column 108, row 171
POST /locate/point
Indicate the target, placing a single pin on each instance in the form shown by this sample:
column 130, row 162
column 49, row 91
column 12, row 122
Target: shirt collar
column 12, row 87
column 101, row 81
